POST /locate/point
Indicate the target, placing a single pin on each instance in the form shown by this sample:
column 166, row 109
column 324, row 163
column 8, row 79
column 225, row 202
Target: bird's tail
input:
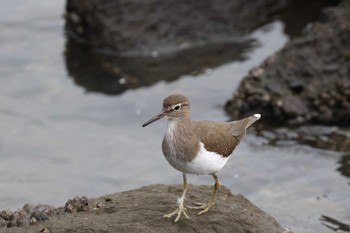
column 239, row 127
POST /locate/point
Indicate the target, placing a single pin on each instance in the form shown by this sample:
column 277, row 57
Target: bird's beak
column 159, row 116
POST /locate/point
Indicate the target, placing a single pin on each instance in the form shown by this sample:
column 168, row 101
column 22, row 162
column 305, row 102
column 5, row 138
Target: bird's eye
column 177, row 107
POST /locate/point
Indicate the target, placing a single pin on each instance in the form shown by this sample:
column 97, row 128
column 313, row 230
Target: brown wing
column 216, row 136
column 222, row 137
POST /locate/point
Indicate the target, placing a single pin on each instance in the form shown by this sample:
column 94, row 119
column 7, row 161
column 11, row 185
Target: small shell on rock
column 3, row 223
column 33, row 221
column 279, row 103
column 77, row 204
column 257, row 72
column 100, row 205
column 74, row 17
column 69, row 208
column 45, row 230
column 6, row 214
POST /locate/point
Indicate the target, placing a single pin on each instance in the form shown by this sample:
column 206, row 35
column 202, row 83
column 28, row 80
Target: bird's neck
column 179, row 129
column 180, row 141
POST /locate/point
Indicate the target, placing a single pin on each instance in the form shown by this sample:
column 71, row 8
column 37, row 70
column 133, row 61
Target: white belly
column 206, row 162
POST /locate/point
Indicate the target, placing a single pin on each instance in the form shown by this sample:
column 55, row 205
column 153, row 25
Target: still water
column 58, row 141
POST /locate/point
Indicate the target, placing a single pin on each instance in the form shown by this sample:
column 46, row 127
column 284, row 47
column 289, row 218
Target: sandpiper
column 197, row 147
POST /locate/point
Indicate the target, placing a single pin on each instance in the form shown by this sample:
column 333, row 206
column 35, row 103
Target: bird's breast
column 179, row 146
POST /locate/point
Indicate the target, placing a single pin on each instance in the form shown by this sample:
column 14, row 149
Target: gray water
column 58, row 141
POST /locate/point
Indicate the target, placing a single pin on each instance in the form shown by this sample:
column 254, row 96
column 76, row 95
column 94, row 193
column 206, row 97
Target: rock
column 344, row 167
column 116, row 45
column 155, row 27
column 319, row 136
column 308, row 81
column 293, row 106
column 141, row 210
column 77, row 204
column 25, row 216
column 7, row 215
column 3, row 223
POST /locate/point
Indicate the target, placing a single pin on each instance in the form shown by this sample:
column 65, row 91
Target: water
column 58, row 141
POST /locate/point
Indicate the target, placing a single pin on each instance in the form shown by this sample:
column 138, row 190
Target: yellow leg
column 180, row 201
column 206, row 206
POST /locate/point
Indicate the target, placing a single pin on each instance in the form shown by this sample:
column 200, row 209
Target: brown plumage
column 197, row 147
column 216, row 136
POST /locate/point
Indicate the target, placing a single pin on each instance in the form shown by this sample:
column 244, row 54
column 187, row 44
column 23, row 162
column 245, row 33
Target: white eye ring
column 177, row 107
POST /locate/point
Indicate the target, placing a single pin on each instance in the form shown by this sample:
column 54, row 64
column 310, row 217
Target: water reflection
column 300, row 13
column 58, row 142
column 331, row 222
column 334, row 224
column 113, row 75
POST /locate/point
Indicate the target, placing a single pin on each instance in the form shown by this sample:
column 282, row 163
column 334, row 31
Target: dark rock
column 152, row 28
column 319, row 136
column 292, row 105
column 155, row 27
column 141, row 210
column 113, row 45
column 308, row 81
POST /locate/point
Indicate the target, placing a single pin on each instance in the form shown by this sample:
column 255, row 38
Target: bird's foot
column 178, row 212
column 201, row 206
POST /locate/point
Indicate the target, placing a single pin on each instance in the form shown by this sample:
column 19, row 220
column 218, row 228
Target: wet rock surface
column 308, row 81
column 141, row 210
